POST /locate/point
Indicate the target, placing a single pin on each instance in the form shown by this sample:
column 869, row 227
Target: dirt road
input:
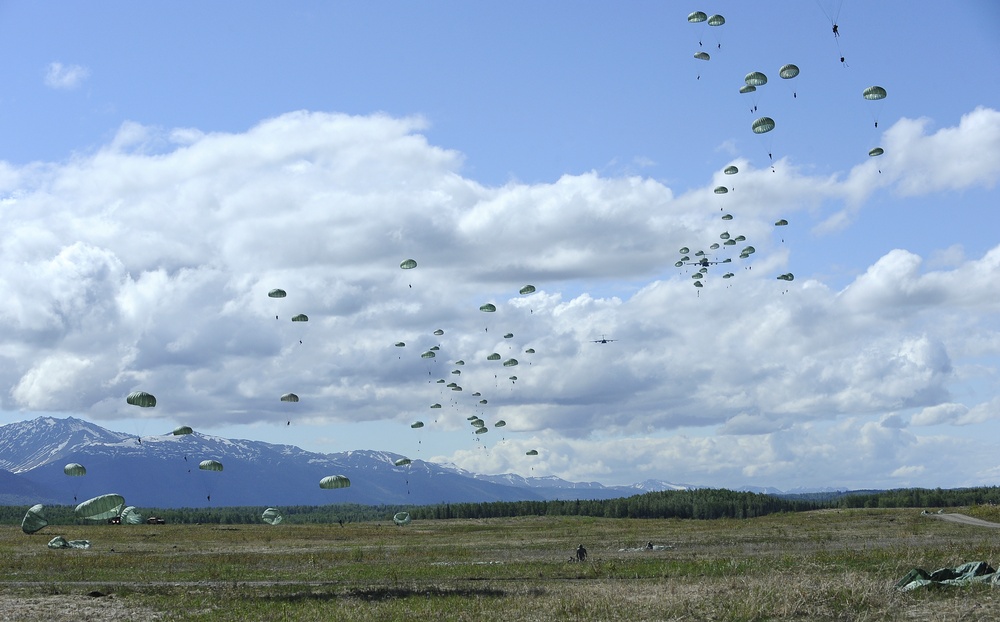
column 965, row 520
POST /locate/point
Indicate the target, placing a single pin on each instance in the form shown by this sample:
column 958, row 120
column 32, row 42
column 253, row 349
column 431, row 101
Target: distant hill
column 162, row 471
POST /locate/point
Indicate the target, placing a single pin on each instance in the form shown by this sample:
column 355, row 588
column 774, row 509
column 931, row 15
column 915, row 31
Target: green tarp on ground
column 970, row 572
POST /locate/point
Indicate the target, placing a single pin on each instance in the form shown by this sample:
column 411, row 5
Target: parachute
column 874, row 93
column 781, row 223
column 272, row 516
column 531, row 452
column 730, row 170
column 74, row 469
column 716, row 20
column 182, row 430
column 408, row 264
column 482, row 429
column 130, row 516
column 697, row 17
column 289, row 397
column 720, row 190
column 400, row 344
column 429, row 354
column 527, row 289
column 727, row 217
column 702, row 56
column 417, row 424
column 684, row 250
column 788, row 276
column 302, row 317
column 787, row 72
column 439, row 332
column 746, row 88
column 210, row 465
column 276, row 293
column 877, row 151
column 141, row 399
column 401, row 518
column 34, row 519
column 101, row 507
column 510, row 363
column 402, row 462
column 435, row 405
column 755, row 78
column 762, row 125
column 499, row 424
column 60, row 542
column 529, row 351
column 493, row 357
column 488, row 308
column 334, row 481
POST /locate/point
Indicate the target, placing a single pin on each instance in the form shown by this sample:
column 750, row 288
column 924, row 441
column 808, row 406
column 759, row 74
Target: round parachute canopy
column 478, row 423
column 483, row 401
column 511, row 377
column 131, row 516
column 781, row 223
column 402, row 462
column 302, row 317
column 730, row 170
column 451, row 385
column 720, row 190
column 210, row 465
column 684, row 250
column 714, row 246
column 435, row 348
column 34, row 519
column 510, row 363
column 727, row 217
column 417, row 424
column 276, row 293
column 435, row 405
column 429, row 354
column 724, row 235
column 697, row 17
column 488, row 308
column 788, row 71
column 755, row 78
column 499, row 424
column 877, row 151
column 401, row 518
column 141, row 398
column 702, row 253
column 527, row 289
column 702, row 56
column 439, row 332
column 456, row 371
column 439, row 381
column 101, row 508
column 408, row 264
column 482, row 430
column 788, row 276
column 460, row 362
column 762, row 125
column 531, row 452
column 740, row 238
column 272, row 516
column 493, row 357
column 678, row 264
column 289, row 397
column 746, row 88
column 74, row 469
column 529, row 351
column 181, row 430
column 728, row 275
column 716, row 20
column 873, row 93
column 334, row 481
column 400, row 344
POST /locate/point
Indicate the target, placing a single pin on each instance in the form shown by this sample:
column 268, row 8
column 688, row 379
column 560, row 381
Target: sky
column 163, row 166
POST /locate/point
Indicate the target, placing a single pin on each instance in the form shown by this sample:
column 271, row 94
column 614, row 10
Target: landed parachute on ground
column 401, row 518
column 334, row 481
column 34, row 519
column 210, row 465
column 74, row 469
column 130, row 516
column 141, row 399
column 101, row 507
column 272, row 516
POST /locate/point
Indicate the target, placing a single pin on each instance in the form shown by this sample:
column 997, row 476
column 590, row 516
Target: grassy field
column 823, row 565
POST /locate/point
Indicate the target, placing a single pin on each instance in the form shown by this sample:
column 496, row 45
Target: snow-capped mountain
column 163, row 471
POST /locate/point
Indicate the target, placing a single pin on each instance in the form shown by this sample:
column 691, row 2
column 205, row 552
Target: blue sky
column 164, row 165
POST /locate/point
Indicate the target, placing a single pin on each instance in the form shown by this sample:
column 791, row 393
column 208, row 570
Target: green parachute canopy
column 101, row 507
column 702, row 56
column 439, row 332
column 527, row 289
column 531, row 452
column 788, row 276
column 401, row 518
column 529, row 351
column 131, row 516
column 408, row 264
column 181, row 430
column 788, row 71
column 141, row 398
column 402, row 462
column 510, row 363
column 276, row 293
column 781, row 223
column 400, row 344
column 210, row 465
column 302, row 317
column 272, row 516
column 755, row 78
column 493, row 357
column 289, row 397
column 435, row 405
column 482, row 430
column 720, row 190
column 417, row 424
column 697, row 17
column 716, row 20
column 334, row 481
column 747, row 88
column 730, row 170
column 74, row 469
column 488, row 308
column 429, row 354
column 874, row 93
column 877, row 151
column 727, row 217
column 762, row 125
column 34, row 519
column 499, row 424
